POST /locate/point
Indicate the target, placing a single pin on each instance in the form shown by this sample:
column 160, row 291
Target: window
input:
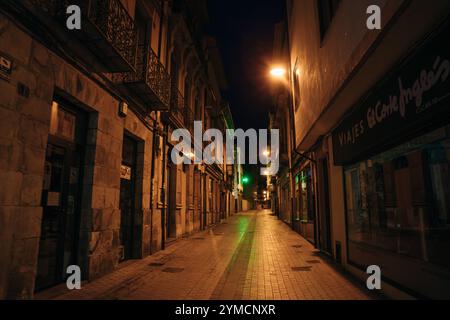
column 187, row 92
column 197, row 107
column 210, row 195
column 307, row 195
column 62, row 123
column 327, row 10
column 398, row 204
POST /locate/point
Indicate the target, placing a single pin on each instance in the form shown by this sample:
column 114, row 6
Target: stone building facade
column 86, row 118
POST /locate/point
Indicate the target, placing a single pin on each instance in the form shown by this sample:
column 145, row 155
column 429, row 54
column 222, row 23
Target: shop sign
column 53, row 199
column 415, row 94
column 125, row 172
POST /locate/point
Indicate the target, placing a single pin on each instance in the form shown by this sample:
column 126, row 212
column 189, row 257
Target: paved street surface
column 252, row 256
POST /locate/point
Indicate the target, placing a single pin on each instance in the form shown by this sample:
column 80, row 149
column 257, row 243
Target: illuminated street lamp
column 277, row 72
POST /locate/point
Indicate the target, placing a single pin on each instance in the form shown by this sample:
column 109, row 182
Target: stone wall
column 24, row 127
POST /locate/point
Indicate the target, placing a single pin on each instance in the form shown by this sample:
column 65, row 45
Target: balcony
column 177, row 107
column 150, row 82
column 108, row 31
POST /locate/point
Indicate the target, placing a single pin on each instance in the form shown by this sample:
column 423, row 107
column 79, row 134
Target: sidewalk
column 253, row 256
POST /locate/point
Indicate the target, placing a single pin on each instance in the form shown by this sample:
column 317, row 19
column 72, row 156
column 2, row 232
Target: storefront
column 395, row 152
column 305, row 204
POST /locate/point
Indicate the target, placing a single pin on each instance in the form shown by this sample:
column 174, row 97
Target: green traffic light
column 245, row 180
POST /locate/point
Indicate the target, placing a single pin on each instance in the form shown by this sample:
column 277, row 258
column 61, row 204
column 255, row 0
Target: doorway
column 197, row 202
column 61, row 195
column 171, row 227
column 128, row 197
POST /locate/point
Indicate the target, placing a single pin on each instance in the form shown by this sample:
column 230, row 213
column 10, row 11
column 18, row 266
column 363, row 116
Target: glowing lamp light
column 277, row 72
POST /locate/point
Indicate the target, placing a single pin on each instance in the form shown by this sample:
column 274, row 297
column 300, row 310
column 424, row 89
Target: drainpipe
column 163, row 189
column 152, row 179
column 161, row 19
column 204, row 200
column 292, row 124
column 163, row 169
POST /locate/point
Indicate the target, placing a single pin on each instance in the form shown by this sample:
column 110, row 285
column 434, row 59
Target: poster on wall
column 53, row 199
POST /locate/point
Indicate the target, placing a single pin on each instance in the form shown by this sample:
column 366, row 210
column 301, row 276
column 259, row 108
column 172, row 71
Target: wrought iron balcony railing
column 107, row 29
column 150, row 82
column 177, row 106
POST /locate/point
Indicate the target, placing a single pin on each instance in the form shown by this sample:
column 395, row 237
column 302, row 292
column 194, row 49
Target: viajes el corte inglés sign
column 414, row 94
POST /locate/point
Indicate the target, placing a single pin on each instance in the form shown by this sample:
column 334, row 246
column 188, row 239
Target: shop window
column 307, row 196
column 398, row 202
column 298, row 199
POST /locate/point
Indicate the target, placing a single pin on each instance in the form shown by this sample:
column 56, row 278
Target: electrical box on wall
column 123, row 109
column 5, row 67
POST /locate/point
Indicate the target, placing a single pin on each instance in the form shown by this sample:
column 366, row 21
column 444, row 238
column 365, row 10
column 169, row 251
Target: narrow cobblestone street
column 252, row 256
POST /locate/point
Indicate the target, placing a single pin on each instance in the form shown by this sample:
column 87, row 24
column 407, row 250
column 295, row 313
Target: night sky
column 244, row 31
